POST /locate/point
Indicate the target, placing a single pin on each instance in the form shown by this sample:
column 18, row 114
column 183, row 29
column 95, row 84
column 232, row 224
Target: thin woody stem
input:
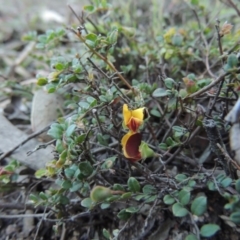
column 104, row 59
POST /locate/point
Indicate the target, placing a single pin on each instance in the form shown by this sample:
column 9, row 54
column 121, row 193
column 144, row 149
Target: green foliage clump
column 180, row 67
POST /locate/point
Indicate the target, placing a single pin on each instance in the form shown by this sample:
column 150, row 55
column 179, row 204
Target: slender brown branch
column 78, row 34
column 204, row 89
column 33, row 135
column 219, row 39
column 234, row 6
column 74, row 13
column 228, row 157
column 41, row 146
column 221, row 82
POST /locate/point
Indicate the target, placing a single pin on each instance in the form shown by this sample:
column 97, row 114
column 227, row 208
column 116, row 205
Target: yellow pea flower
column 133, row 119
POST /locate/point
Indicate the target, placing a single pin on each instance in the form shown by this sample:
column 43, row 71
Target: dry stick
column 100, row 70
column 223, row 56
column 41, row 146
column 179, row 149
column 162, row 112
column 172, row 124
column 40, row 223
column 22, row 215
column 228, row 157
column 125, row 97
column 19, row 206
column 234, row 6
column 64, row 231
column 33, row 135
column 74, row 13
column 221, row 82
column 219, row 39
column 203, row 90
column 80, row 20
column 205, row 42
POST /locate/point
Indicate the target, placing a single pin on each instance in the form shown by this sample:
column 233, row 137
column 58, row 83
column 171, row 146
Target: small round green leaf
column 163, row 146
column 42, row 81
column 51, row 88
column 113, row 36
column 118, row 187
column 184, row 197
column 89, row 8
column 179, row 210
column 40, row 173
column 66, row 184
column 69, row 173
column 191, row 183
column 86, row 202
column 55, row 131
column 160, row 92
column 209, row 230
column 33, row 198
column 169, row 200
column 126, row 195
column 195, row 2
column 43, row 196
column 235, row 217
column 81, row 138
column 199, row 205
column 191, row 237
column 123, row 215
column 133, row 185
column 149, row 189
column 105, row 205
column 232, row 60
column 76, row 186
column 181, row 177
column 113, row 198
column 132, row 209
column 70, row 130
column 177, row 40
column 220, row 177
column 86, row 168
column 150, row 199
column 237, row 186
column 106, row 234
column 155, row 113
column 92, row 101
column 226, row 182
column 169, row 83
column 211, row 186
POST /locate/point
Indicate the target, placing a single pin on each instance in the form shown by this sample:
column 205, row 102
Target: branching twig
column 78, row 34
column 234, row 6
column 41, row 146
column 33, row 135
column 206, row 88
column 222, row 81
column 22, row 216
column 228, row 157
